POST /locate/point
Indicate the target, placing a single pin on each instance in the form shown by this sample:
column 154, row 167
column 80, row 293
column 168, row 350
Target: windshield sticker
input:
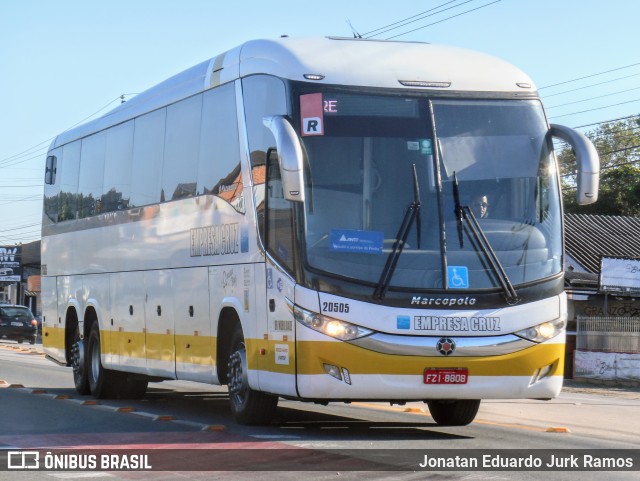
column 358, row 241
column 425, row 147
column 311, row 114
column 458, row 277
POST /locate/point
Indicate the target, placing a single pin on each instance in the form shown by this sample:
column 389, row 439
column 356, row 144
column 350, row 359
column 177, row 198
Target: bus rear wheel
column 79, row 364
column 102, row 382
column 453, row 413
column 247, row 406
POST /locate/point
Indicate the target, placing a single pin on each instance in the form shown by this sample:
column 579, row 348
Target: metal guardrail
column 608, row 334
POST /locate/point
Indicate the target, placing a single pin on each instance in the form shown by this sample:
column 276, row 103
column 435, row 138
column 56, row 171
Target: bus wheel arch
column 247, row 406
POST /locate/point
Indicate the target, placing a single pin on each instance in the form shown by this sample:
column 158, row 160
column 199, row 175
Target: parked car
column 18, row 323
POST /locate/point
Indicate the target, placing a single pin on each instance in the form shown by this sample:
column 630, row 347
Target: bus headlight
column 543, row 332
column 336, row 328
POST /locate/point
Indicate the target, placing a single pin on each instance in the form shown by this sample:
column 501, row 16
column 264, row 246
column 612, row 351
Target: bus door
column 280, row 362
column 127, row 311
column 159, row 324
column 194, row 344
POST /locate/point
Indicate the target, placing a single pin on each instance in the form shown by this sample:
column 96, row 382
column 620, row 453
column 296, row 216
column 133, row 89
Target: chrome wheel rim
column 238, row 382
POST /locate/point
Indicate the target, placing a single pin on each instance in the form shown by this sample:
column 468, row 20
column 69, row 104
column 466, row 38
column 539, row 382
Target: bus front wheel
column 247, row 406
column 453, row 413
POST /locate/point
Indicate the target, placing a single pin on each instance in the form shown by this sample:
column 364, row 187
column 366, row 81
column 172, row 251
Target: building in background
column 602, row 272
column 20, row 275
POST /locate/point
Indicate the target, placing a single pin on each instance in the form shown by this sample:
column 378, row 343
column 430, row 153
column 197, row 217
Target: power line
column 409, row 20
column 27, row 226
column 588, row 76
column 594, row 109
column 444, row 19
column 608, row 121
column 592, row 98
column 26, row 152
column 30, row 149
column 613, row 166
column 11, row 163
column 592, row 85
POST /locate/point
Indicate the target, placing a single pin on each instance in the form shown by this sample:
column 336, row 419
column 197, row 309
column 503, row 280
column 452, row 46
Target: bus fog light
column 542, row 373
column 545, row 371
column 332, row 370
column 543, row 332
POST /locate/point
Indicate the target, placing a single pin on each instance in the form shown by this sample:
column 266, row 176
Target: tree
column 618, row 144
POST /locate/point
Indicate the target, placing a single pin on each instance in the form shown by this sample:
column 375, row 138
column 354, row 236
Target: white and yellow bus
column 296, row 218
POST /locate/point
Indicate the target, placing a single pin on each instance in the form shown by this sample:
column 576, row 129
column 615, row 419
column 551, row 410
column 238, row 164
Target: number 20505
column 335, row 307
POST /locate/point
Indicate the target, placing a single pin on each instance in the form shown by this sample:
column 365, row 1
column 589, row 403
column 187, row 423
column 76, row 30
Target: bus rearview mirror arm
column 588, row 162
column 289, row 157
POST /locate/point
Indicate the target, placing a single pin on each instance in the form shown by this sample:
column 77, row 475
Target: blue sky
column 62, row 61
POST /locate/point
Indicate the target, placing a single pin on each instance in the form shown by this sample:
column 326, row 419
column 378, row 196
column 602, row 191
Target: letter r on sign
column 313, row 126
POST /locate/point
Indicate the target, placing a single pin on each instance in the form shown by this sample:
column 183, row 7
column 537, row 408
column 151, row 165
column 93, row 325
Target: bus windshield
column 362, row 153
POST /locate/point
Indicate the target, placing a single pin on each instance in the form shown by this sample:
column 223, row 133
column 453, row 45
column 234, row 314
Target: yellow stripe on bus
column 313, row 355
column 310, row 356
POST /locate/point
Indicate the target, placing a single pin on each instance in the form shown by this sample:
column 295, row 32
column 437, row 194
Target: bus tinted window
column 219, row 160
column 91, row 174
column 181, row 146
column 117, row 169
column 148, row 152
column 69, row 167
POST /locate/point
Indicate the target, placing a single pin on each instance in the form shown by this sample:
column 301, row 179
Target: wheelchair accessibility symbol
column 458, row 277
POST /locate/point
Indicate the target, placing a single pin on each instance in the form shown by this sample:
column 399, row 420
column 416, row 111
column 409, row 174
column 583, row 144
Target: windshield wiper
column 458, row 210
column 465, row 213
column 412, row 214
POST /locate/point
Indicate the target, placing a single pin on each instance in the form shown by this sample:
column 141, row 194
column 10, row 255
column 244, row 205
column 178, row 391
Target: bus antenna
column 353, row 30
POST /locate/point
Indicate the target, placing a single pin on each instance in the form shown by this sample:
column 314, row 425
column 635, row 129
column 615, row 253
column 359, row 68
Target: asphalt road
column 179, row 419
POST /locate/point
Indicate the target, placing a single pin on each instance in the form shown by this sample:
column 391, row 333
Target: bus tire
column 454, row 413
column 248, row 407
column 79, row 364
column 103, row 383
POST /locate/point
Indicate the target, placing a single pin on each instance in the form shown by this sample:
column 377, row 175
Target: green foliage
column 618, row 144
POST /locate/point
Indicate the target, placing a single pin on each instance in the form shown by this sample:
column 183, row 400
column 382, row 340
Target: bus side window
column 279, row 221
column 69, row 168
column 265, row 96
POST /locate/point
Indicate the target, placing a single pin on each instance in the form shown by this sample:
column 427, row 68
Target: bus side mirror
column 50, row 170
column 290, row 157
column 587, row 159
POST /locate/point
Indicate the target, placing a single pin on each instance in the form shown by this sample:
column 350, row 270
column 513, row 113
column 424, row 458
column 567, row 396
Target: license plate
column 446, row 376
column 17, row 324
